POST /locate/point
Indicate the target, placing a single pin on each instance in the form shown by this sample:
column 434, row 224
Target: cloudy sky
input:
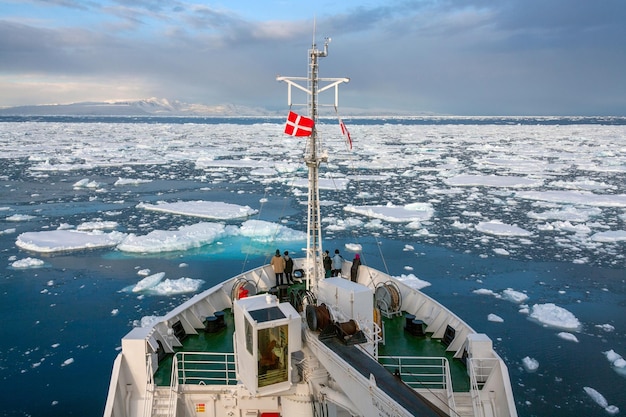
column 463, row 57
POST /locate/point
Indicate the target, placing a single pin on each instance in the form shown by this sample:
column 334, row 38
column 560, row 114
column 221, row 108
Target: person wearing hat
column 328, row 264
column 278, row 265
column 354, row 270
column 288, row 268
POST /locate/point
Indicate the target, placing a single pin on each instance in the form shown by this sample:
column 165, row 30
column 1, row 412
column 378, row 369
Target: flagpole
column 313, row 157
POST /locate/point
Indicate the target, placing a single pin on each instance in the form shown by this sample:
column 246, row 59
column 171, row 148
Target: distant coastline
column 350, row 119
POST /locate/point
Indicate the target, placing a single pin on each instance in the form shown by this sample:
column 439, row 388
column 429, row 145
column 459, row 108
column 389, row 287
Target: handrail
column 208, row 368
column 480, row 371
column 149, row 397
column 419, row 371
column 422, row 372
column 173, row 390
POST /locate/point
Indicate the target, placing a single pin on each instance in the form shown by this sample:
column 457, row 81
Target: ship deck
column 398, row 343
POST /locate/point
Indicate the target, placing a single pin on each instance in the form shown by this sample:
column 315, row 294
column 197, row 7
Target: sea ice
column 601, row 401
column 413, row 281
column 554, row 316
column 568, row 336
column 130, row 181
column 575, row 197
column 215, row 210
column 264, row 231
column 68, row 362
column 51, row 241
column 530, row 364
column 86, row 183
column 186, row 237
column 515, row 296
column 616, row 359
column 497, row 228
column 610, row 236
column 606, row 327
column 28, row 263
column 495, row 318
column 176, row 286
column 148, row 282
column 395, row 214
column 97, row 225
column 19, row 218
column 467, row 180
column 353, row 247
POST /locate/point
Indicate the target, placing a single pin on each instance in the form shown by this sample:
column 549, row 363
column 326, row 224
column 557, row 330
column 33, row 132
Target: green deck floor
column 397, row 343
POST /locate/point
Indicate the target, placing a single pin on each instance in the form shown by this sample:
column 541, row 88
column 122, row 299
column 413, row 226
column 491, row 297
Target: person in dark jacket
column 328, row 264
column 288, row 268
column 354, row 270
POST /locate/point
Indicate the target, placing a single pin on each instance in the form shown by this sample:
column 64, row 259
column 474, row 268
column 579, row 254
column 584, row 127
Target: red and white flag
column 298, row 125
column 344, row 131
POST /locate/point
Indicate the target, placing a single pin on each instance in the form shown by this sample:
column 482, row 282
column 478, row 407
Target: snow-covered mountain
column 146, row 107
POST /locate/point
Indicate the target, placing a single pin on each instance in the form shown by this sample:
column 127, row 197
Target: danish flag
column 298, row 125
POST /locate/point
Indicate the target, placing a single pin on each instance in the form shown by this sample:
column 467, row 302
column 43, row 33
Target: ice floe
column 19, row 218
column 530, row 364
column 395, row 214
column 552, row 315
column 575, row 197
column 498, row 228
column 215, row 210
column 67, row 240
column 68, row 361
column 495, row 318
column 148, row 282
column 568, row 336
column 28, row 263
column 184, row 238
column 130, row 181
column 156, row 285
column 413, row 281
column 467, row 180
column 156, row 241
column 601, row 401
column 508, row 294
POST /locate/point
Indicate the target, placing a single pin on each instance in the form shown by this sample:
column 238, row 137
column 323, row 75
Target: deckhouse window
column 273, row 351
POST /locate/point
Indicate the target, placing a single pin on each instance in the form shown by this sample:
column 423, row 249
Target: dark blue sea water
column 62, row 322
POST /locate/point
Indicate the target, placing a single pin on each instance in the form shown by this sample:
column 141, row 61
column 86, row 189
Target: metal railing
column 419, row 372
column 204, row 368
column 150, row 387
column 429, row 373
column 480, row 370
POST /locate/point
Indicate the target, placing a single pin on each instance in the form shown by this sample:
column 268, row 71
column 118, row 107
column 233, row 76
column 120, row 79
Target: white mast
column 313, row 157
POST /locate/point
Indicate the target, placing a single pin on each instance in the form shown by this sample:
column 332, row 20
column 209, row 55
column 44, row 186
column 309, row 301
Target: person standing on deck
column 328, row 264
column 278, row 264
column 288, row 268
column 354, row 270
column 337, row 263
